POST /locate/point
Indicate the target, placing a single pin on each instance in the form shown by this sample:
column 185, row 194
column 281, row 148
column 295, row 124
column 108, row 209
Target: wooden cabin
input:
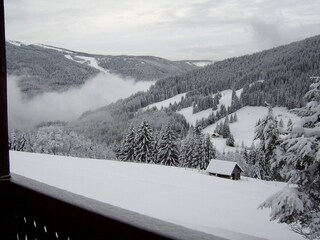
column 225, row 169
column 215, row 135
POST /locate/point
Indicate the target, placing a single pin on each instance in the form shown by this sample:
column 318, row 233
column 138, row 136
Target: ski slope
column 185, row 197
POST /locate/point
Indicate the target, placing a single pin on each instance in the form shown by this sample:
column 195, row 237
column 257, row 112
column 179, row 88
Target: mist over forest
column 67, row 105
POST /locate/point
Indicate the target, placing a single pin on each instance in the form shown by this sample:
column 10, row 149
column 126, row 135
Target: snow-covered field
column 190, row 198
column 225, row 99
column 243, row 129
column 200, row 63
column 166, row 103
column 91, row 61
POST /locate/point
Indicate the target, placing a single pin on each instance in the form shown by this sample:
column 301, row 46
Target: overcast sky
column 173, row 29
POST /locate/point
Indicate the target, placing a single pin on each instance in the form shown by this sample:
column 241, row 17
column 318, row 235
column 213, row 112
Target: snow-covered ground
column 166, row 102
column 93, row 63
column 190, row 198
column 201, row 63
column 225, row 99
column 243, row 129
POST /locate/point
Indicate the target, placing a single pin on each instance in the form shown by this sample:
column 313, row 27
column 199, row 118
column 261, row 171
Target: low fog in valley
column 69, row 105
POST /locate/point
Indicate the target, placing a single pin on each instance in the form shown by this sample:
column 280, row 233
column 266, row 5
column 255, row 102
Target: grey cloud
column 167, row 26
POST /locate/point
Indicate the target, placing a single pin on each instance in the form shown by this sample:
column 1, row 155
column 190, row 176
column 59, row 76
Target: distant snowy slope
column 167, row 102
column 200, row 63
column 225, row 99
column 93, row 63
column 243, row 129
column 44, row 68
column 189, row 198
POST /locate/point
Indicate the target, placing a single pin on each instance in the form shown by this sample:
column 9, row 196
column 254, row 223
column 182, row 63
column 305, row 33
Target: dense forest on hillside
column 285, row 71
column 44, row 70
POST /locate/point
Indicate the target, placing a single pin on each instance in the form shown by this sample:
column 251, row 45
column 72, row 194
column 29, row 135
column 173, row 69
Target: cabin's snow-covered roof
column 221, row 167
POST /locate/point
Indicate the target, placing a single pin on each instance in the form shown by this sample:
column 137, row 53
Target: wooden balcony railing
column 33, row 210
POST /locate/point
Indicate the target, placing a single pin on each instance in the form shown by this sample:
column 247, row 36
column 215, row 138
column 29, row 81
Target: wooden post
column 4, row 151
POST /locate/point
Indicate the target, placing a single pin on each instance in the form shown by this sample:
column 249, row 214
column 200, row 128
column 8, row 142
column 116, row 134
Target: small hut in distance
column 225, row 169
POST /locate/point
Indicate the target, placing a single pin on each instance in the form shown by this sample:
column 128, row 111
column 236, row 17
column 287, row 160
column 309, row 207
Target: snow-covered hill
column 167, row 102
column 225, row 99
column 190, row 198
column 44, row 68
column 243, row 129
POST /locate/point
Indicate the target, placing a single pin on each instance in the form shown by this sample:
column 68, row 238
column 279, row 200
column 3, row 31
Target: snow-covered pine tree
column 168, row 152
column 289, row 125
column 235, row 117
column 231, row 118
column 299, row 158
column 157, row 139
column 226, row 129
column 219, row 128
column 230, row 141
column 223, row 111
column 209, row 152
column 235, row 102
column 126, row 152
column 268, row 134
column 144, row 144
column 197, row 150
column 281, row 123
column 197, row 129
column 185, row 157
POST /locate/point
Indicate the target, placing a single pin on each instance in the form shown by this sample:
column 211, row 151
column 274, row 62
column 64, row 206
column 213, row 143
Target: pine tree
column 126, row 152
column 219, row 128
column 157, row 139
column 185, row 158
column 235, row 117
column 226, row 129
column 209, row 152
column 144, row 141
column 235, row 102
column 268, row 133
column 230, row 141
column 168, row 148
column 299, row 160
column 281, row 123
column 231, row 119
column 196, row 152
column 289, row 125
column 223, row 111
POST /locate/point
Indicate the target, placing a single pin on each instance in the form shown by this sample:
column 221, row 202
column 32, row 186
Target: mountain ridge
column 285, row 71
column 43, row 68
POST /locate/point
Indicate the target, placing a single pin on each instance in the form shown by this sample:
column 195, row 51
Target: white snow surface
column 93, row 63
column 243, row 129
column 225, row 99
column 201, row 64
column 186, row 197
column 68, row 57
column 221, row 167
column 166, row 103
column 15, row 43
column 49, row 47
